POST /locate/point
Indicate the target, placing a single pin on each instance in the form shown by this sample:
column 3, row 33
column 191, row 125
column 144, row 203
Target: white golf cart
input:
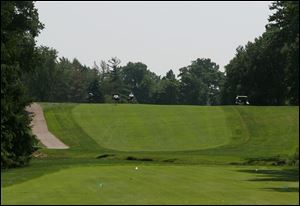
column 130, row 98
column 116, row 97
column 242, row 100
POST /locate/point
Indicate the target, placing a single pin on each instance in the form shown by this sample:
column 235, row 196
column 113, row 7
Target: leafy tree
column 284, row 22
column 77, row 82
column 95, row 90
column 19, row 26
column 267, row 70
column 140, row 81
column 257, row 71
column 63, row 81
column 200, row 83
column 168, row 89
column 41, row 81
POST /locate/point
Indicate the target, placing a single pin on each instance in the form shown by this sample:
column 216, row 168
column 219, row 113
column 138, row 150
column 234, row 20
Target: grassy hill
column 184, row 155
column 226, row 130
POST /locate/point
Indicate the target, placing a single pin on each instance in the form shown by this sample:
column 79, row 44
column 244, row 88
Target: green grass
column 214, row 131
column 156, row 185
column 153, row 128
column 189, row 150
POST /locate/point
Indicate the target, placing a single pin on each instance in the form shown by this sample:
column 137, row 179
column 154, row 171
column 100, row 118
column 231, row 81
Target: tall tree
column 140, row 81
column 267, row 70
column 78, row 84
column 42, row 80
column 115, row 78
column 284, row 22
column 95, row 91
column 19, row 26
column 200, row 83
column 168, row 89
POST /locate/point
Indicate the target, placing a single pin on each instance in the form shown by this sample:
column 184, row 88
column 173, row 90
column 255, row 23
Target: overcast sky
column 163, row 35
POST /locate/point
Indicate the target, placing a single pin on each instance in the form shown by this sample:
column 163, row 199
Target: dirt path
column 40, row 129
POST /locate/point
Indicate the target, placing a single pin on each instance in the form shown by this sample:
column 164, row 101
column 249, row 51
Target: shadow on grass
column 288, row 175
column 280, row 175
column 283, row 189
column 38, row 168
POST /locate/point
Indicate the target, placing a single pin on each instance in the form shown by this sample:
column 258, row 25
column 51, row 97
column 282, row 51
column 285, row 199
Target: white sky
column 162, row 35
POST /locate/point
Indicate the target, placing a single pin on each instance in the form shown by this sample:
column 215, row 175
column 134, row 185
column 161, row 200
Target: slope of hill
column 221, row 130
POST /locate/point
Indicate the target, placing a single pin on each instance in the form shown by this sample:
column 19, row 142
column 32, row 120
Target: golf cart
column 130, row 98
column 242, row 100
column 90, row 97
column 116, row 97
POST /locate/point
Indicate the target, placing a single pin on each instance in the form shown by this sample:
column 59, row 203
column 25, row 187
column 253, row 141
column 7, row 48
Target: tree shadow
column 283, row 175
column 283, row 189
column 287, row 175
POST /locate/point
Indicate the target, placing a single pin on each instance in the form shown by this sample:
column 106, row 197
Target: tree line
column 266, row 70
column 62, row 80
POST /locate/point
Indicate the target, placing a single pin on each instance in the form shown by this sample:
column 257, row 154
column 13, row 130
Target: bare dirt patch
column 40, row 129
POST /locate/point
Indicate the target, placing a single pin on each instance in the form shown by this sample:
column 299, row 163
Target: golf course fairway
column 155, row 154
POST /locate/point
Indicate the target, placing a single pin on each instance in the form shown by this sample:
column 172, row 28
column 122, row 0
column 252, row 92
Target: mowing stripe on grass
column 155, row 185
column 153, row 127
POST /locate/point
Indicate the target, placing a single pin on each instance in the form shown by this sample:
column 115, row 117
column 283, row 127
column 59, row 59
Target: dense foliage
column 66, row 81
column 19, row 26
column 267, row 70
